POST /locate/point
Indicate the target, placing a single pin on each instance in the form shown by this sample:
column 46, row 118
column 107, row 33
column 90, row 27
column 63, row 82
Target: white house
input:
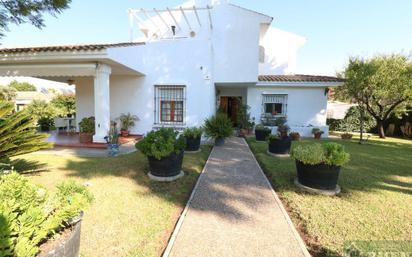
column 191, row 60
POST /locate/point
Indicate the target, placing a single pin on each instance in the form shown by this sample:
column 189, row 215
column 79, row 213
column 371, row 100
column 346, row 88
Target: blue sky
column 334, row 29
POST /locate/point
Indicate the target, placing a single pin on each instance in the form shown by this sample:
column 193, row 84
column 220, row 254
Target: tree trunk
column 381, row 130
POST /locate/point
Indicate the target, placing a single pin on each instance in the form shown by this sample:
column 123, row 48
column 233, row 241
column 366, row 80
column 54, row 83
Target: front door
column 230, row 106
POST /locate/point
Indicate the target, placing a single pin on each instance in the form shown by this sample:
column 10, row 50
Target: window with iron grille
column 170, row 105
column 275, row 105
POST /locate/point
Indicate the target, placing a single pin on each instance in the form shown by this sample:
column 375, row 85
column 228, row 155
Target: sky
column 334, row 29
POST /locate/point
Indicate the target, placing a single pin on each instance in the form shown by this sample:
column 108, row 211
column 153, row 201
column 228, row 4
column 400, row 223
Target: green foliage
column 45, row 124
column 22, row 86
column 18, row 134
column 7, row 93
column 86, row 125
column 39, row 109
column 113, row 136
column 128, row 120
column 316, row 153
column 218, row 126
column 283, row 129
column 18, row 12
column 29, row 214
column 351, row 122
column 161, row 143
column 317, row 131
column 64, row 104
column 272, row 138
column 335, row 154
column 270, row 120
column 243, row 116
column 193, row 132
column 381, row 85
column 262, row 127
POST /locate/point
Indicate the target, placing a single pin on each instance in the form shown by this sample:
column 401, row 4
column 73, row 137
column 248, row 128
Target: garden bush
column 315, row 153
column 218, row 126
column 351, row 122
column 87, row 125
column 161, row 143
column 29, row 215
column 193, row 132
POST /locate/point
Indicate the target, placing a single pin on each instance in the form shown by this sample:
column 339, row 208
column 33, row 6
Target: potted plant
column 164, row 151
column 192, row 137
column 112, row 140
column 281, row 143
column 317, row 132
column 318, row 165
column 218, row 127
column 127, row 121
column 31, row 217
column 346, row 135
column 261, row 132
column 295, row 136
column 243, row 120
column 87, row 128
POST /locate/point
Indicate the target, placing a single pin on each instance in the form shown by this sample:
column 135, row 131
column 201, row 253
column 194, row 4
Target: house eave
column 52, row 56
column 298, row 84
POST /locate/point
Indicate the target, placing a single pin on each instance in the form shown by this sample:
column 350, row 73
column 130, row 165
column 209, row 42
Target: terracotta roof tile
column 298, row 78
column 90, row 47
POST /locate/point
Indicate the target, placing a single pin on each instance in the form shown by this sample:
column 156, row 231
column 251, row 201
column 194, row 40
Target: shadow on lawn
column 135, row 167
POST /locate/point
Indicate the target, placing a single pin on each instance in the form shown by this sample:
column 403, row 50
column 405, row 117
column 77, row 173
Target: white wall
column 84, row 98
column 306, row 106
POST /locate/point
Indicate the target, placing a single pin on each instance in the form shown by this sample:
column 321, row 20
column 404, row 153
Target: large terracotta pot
column 85, row 138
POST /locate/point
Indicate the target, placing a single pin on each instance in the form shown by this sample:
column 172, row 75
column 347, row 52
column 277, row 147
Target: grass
column 375, row 203
column 131, row 215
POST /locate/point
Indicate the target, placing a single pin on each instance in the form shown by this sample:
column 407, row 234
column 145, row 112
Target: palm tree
column 18, row 134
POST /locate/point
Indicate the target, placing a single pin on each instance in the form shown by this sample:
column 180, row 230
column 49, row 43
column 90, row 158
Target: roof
column 63, row 48
column 298, row 78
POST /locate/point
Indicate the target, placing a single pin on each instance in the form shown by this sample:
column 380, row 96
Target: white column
column 102, row 102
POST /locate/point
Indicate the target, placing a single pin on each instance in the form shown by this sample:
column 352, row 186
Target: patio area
column 71, row 139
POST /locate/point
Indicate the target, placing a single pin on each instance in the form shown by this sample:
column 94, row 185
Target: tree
column 18, row 134
column 381, row 85
column 40, row 109
column 22, row 86
column 23, row 11
column 7, row 93
column 64, row 104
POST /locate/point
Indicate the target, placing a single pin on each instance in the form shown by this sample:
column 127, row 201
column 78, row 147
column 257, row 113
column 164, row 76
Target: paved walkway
column 234, row 212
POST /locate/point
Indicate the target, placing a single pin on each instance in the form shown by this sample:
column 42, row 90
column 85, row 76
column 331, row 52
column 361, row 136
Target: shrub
column 46, row 123
column 65, row 104
column 218, row 126
column 317, row 130
column 193, row 132
column 351, row 122
column 283, row 129
column 262, row 127
column 41, row 110
column 30, row 215
column 272, row 138
column 243, row 116
column 128, row 120
column 87, row 125
column 335, row 154
column 315, row 153
column 294, row 135
column 161, row 143
column 22, row 86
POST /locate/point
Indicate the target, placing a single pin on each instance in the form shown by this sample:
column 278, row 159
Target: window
column 275, row 105
column 170, row 105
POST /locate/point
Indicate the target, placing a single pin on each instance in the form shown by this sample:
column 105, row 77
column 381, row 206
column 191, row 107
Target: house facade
column 190, row 61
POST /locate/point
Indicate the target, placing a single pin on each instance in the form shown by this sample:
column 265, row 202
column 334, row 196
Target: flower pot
column 192, row 144
column 219, row 141
column 124, row 133
column 295, row 136
column 319, row 176
column 113, row 149
column 261, row 134
column 346, row 136
column 85, row 138
column 68, row 247
column 317, row 135
column 168, row 166
column 280, row 146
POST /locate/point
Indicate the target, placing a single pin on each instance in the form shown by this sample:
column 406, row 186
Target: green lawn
column 375, row 203
column 131, row 215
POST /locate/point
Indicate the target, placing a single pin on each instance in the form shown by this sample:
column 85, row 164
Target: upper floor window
column 170, row 104
column 275, row 105
column 261, row 54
